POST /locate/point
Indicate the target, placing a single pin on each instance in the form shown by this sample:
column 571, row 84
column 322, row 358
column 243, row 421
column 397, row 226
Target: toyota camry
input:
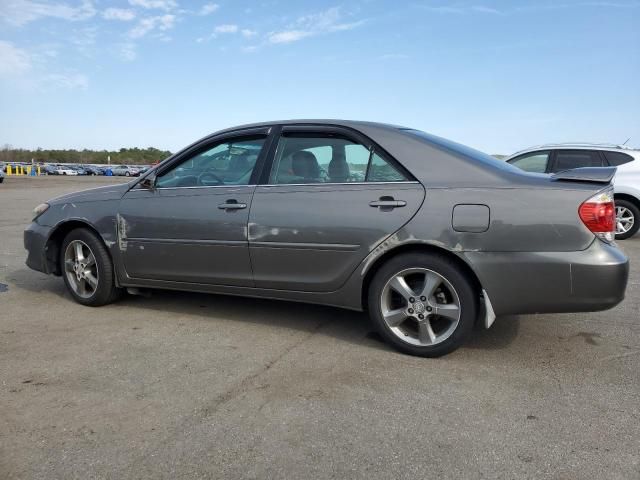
column 426, row 235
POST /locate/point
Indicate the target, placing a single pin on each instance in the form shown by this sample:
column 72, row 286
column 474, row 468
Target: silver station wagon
column 426, row 235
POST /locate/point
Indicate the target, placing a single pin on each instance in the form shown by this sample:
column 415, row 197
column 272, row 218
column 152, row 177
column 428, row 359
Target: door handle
column 232, row 205
column 387, row 203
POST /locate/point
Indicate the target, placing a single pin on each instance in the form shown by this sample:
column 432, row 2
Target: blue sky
column 495, row 75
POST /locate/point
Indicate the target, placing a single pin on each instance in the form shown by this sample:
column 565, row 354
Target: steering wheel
column 208, row 179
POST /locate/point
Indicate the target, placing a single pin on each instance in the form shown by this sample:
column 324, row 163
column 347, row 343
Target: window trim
column 329, row 131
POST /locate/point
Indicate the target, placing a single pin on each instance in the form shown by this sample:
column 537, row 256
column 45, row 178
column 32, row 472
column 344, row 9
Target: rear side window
column 317, row 159
column 617, row 158
column 568, row 159
column 535, row 162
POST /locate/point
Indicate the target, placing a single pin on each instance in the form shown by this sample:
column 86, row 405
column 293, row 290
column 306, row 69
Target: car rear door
column 192, row 226
column 329, row 198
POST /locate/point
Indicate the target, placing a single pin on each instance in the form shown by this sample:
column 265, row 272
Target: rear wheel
column 627, row 219
column 422, row 304
column 87, row 269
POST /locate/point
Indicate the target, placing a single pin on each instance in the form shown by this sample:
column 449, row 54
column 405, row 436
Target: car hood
column 109, row 192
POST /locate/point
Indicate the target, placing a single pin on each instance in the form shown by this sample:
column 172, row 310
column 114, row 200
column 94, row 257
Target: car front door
column 330, row 198
column 191, row 226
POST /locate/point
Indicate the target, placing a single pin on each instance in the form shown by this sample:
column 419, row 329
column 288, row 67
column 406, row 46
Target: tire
column 127, row 174
column 445, row 333
column 101, row 270
column 629, row 211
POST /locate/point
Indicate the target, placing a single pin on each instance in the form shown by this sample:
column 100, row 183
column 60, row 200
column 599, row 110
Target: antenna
column 626, row 141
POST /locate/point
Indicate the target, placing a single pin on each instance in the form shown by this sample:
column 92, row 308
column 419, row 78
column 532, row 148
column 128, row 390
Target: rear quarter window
column 616, row 159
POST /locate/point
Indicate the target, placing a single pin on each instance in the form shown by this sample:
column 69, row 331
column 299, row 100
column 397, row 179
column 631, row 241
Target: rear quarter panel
column 521, row 219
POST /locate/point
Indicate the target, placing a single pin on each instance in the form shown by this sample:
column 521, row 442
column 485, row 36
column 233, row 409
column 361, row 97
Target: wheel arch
column 54, row 242
column 416, row 248
column 628, row 198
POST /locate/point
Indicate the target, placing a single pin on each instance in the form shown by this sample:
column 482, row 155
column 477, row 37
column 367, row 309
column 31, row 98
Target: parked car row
column 78, row 169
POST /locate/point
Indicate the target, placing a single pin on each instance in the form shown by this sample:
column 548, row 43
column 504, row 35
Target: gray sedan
column 426, row 235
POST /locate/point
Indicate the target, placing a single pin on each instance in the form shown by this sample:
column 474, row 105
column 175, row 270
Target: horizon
column 497, row 75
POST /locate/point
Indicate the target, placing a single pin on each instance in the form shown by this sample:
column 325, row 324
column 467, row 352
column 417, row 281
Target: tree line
column 136, row 156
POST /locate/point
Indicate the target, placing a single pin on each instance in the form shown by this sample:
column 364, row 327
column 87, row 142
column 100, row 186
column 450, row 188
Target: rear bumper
column 553, row 282
column 35, row 241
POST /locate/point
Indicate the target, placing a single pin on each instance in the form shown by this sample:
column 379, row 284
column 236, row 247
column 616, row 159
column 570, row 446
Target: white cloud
column 165, row 5
column 226, row 29
column 146, row 25
column 13, row 60
column 29, row 70
column 289, row 36
column 331, row 20
column 462, row 9
column 208, row 9
column 246, row 33
column 69, row 81
column 123, row 14
column 21, row 12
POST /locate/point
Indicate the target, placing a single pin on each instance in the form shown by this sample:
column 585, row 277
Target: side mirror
column 148, row 182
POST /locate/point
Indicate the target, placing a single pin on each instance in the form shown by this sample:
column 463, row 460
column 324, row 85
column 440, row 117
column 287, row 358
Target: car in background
column 1, row 176
column 556, row 158
column 48, row 170
column 426, row 239
column 65, row 170
column 125, row 170
column 79, row 168
column 92, row 170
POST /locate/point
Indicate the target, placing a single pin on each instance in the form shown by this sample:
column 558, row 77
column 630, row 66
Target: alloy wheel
column 420, row 306
column 81, row 269
column 624, row 220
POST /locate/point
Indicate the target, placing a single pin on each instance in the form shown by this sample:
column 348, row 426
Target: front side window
column 535, row 162
column 227, row 163
column 568, row 159
column 318, row 159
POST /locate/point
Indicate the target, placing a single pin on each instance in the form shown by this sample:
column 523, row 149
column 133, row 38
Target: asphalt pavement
column 183, row 385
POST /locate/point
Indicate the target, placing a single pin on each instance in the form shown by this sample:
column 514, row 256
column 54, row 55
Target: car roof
column 314, row 121
column 579, row 146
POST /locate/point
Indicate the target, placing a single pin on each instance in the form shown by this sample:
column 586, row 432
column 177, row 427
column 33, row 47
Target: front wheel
column 87, row 269
column 627, row 219
column 423, row 304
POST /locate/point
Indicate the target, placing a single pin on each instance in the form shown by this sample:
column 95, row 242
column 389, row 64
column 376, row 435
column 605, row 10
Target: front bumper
column 35, row 242
column 553, row 282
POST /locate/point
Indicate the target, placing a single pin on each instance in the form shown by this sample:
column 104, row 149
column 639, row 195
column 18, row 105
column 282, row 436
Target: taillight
column 598, row 213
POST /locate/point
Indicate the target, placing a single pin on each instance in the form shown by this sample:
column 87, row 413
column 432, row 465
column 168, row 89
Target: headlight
column 40, row 209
